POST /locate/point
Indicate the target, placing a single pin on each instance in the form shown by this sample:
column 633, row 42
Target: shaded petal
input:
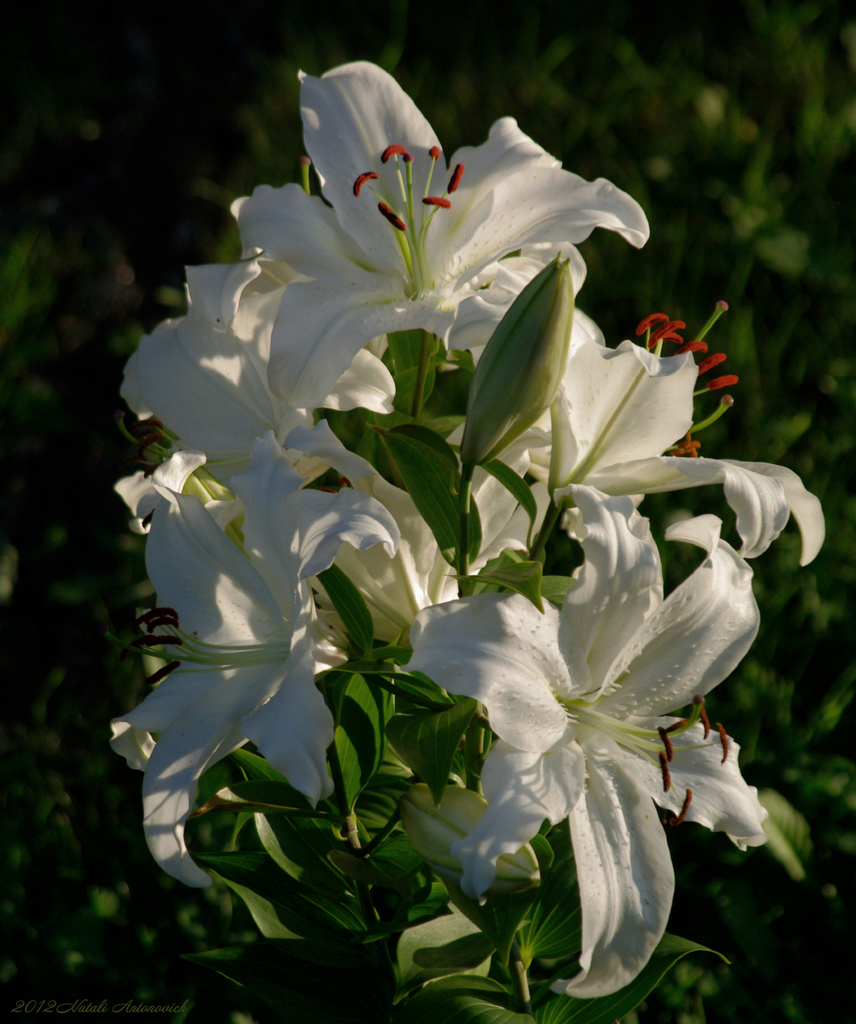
column 135, row 745
column 624, row 871
column 523, row 789
column 366, row 384
column 319, row 442
column 198, row 571
column 501, row 650
column 619, row 585
column 695, row 638
column 721, row 799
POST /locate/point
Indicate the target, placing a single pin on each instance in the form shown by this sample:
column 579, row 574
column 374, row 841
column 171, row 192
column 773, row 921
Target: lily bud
column 432, row 830
column 519, row 373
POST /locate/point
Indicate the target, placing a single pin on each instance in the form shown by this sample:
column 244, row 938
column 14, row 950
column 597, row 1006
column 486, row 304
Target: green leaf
column 517, row 486
column 378, row 802
column 427, row 904
column 263, row 795
column 405, row 351
column 425, row 435
column 523, row 578
column 451, row 944
column 400, row 655
column 555, row 924
column 554, row 588
column 606, row 1009
column 300, row 847
column 359, row 995
column 392, row 866
column 349, row 603
column 426, row 476
column 788, row 831
column 442, row 425
column 360, row 736
column 499, row 918
column 404, row 347
column 255, row 767
column 461, row 999
column 427, row 742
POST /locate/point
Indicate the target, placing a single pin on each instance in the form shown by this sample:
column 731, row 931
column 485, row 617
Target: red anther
column 692, row 346
column 304, row 161
column 667, row 328
column 722, row 382
column 437, row 201
column 455, row 180
column 705, row 722
column 396, row 222
column 393, row 151
column 684, row 808
column 156, row 613
column 723, row 739
column 677, row 725
column 362, row 179
column 643, row 325
column 434, row 152
column 162, row 673
column 667, row 743
column 711, row 361
column 671, row 336
column 344, row 482
column 664, row 768
column 328, row 490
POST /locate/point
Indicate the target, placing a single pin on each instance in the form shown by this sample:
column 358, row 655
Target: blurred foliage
column 127, row 130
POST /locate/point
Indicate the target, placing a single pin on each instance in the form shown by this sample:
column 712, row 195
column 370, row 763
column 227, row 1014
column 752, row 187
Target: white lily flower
column 411, row 259
column 577, row 699
column 249, row 646
column 205, row 375
column 621, row 408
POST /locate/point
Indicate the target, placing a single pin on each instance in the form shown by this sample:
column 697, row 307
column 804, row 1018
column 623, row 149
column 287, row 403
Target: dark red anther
column 437, row 201
column 434, row 152
column 677, row 725
column 667, row 743
column 711, row 361
column 162, row 673
column 684, row 808
column 396, row 222
column 328, row 490
column 723, row 739
column 455, row 180
column 669, row 336
column 692, row 346
column 664, row 768
column 705, row 722
column 394, row 151
column 344, row 482
column 167, row 614
column 667, row 328
column 654, row 318
column 722, row 382
column 362, row 179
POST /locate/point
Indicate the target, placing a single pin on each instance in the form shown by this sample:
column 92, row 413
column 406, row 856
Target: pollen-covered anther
column 667, row 328
column 664, row 768
column 162, row 673
column 437, row 201
column 395, row 150
column 343, row 481
column 705, row 722
column 692, row 346
column 687, row 448
column 155, row 617
column 667, row 743
column 710, row 362
column 434, row 152
column 722, row 382
column 362, row 179
column 723, row 739
column 393, row 218
column 685, row 806
column 654, row 318
column 676, row 725
column 455, row 180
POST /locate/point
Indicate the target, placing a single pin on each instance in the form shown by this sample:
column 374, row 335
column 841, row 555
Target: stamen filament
column 725, row 404
column 718, row 310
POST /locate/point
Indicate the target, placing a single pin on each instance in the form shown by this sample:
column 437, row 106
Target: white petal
column 501, row 650
column 721, row 800
column 350, row 116
column 294, row 728
column 135, row 745
column 366, row 384
column 624, row 870
column 196, row 570
column 693, row 640
column 522, row 789
column 619, row 585
column 319, row 442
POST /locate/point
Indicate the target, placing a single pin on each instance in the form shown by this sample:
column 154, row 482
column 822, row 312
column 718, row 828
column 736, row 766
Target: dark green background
column 126, row 131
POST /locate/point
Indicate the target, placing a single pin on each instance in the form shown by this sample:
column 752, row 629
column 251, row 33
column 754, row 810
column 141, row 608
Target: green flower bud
column 519, row 373
column 432, row 830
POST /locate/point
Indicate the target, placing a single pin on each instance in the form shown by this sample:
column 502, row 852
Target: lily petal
column 523, row 789
column 624, row 870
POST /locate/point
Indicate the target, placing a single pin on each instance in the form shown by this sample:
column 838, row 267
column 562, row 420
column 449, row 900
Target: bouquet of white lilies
column 447, row 766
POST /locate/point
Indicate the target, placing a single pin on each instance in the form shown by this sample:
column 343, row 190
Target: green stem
column 464, row 519
column 421, row 374
column 520, row 981
column 550, row 520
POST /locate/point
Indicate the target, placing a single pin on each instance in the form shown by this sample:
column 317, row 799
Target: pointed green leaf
column 425, row 435
column 518, row 488
column 392, row 866
column 255, row 767
column 554, row 588
column 300, row 847
column 788, row 831
column 523, row 578
column 404, row 347
column 428, row 742
column 461, row 999
column 349, row 603
column 360, row 733
column 555, row 922
column 499, row 917
column 451, row 944
column 606, row 1009
column 263, row 795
